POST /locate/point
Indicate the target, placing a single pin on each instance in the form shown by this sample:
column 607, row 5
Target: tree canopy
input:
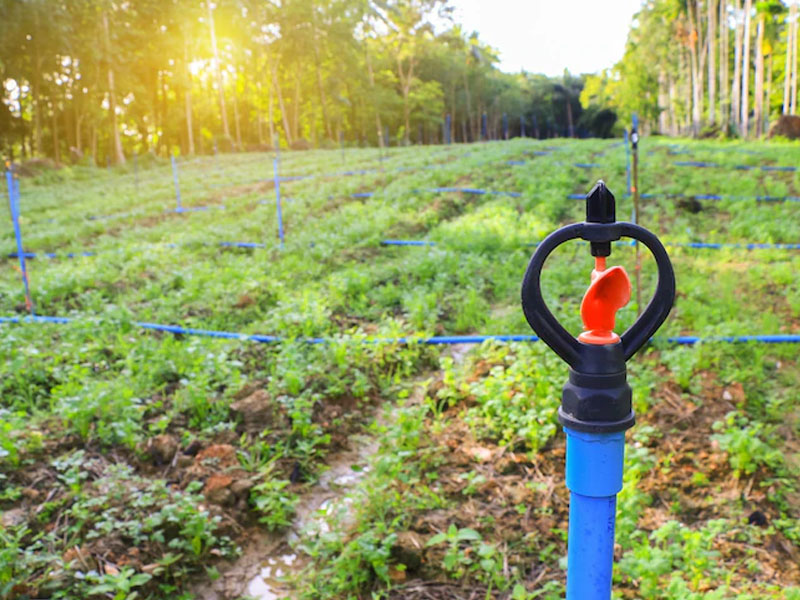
column 103, row 79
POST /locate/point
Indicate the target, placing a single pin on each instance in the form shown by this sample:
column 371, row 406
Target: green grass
column 88, row 398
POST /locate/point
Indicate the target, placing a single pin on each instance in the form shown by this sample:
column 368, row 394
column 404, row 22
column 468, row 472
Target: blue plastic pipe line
column 278, row 199
column 706, row 197
column 594, row 478
column 470, row 191
column 13, row 203
column 177, row 186
column 698, row 245
column 701, row 164
column 455, row 339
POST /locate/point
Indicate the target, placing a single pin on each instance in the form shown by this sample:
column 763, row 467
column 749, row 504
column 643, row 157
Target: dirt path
column 269, row 560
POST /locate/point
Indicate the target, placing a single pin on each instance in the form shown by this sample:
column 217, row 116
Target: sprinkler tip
column 600, row 204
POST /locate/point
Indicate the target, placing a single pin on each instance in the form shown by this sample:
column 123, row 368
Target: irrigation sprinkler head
column 597, row 397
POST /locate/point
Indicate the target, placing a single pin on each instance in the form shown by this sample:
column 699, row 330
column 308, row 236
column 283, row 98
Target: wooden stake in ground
column 638, row 268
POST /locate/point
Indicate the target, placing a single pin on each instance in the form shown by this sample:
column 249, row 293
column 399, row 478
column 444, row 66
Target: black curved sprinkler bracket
column 597, row 397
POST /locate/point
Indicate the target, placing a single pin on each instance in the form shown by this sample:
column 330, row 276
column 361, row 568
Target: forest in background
column 695, row 67
column 97, row 79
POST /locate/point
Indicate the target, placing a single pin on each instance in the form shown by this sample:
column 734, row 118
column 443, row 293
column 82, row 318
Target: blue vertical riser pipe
column 13, row 203
column 484, row 128
column 596, row 403
column 178, row 207
column 522, row 127
column 278, row 198
column 594, row 478
column 447, row 129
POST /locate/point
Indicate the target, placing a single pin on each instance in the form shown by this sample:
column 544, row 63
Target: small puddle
column 460, row 351
column 329, row 497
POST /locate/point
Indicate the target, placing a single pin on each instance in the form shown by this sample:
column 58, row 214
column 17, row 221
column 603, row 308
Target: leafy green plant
column 743, row 442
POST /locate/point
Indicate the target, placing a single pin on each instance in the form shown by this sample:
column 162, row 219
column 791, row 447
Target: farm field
column 136, row 462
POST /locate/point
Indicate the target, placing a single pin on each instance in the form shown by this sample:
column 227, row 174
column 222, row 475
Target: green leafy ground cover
column 133, row 463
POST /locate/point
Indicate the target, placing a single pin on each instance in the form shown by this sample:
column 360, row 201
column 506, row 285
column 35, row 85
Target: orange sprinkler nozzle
column 609, row 291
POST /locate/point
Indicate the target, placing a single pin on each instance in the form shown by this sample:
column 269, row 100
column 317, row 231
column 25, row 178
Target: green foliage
column 743, row 442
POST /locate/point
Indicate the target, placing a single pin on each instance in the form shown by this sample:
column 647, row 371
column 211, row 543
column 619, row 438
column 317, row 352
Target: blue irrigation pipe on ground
column 696, row 245
column 702, row 165
column 435, row 340
column 13, row 203
column 278, row 199
column 476, row 191
column 705, row 197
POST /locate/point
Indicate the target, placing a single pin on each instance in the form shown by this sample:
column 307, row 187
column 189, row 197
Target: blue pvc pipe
column 594, row 478
column 13, row 203
column 278, row 199
column 436, row 340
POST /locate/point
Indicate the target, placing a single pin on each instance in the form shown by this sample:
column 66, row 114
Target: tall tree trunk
column 378, row 126
column 93, row 143
column 697, row 84
column 663, row 102
column 468, row 98
column 36, row 90
column 188, row 99
column 56, row 142
column 759, row 83
column 724, row 90
column 112, row 98
column 794, row 62
column 570, row 124
column 236, row 123
column 405, row 78
column 286, row 131
column 736, row 84
column 768, row 94
column 673, row 99
column 748, row 7
column 296, row 105
column 270, row 116
column 787, row 71
column 320, row 87
column 218, row 71
column 712, row 64
column 686, row 72
column 78, row 141
column 259, row 116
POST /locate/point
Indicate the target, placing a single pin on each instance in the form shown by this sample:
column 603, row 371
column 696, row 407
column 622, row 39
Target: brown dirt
column 684, row 450
column 787, row 126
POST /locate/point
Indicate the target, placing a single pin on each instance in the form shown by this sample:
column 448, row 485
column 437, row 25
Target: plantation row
column 139, row 460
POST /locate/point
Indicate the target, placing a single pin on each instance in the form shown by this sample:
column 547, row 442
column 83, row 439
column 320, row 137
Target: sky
column 546, row 36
